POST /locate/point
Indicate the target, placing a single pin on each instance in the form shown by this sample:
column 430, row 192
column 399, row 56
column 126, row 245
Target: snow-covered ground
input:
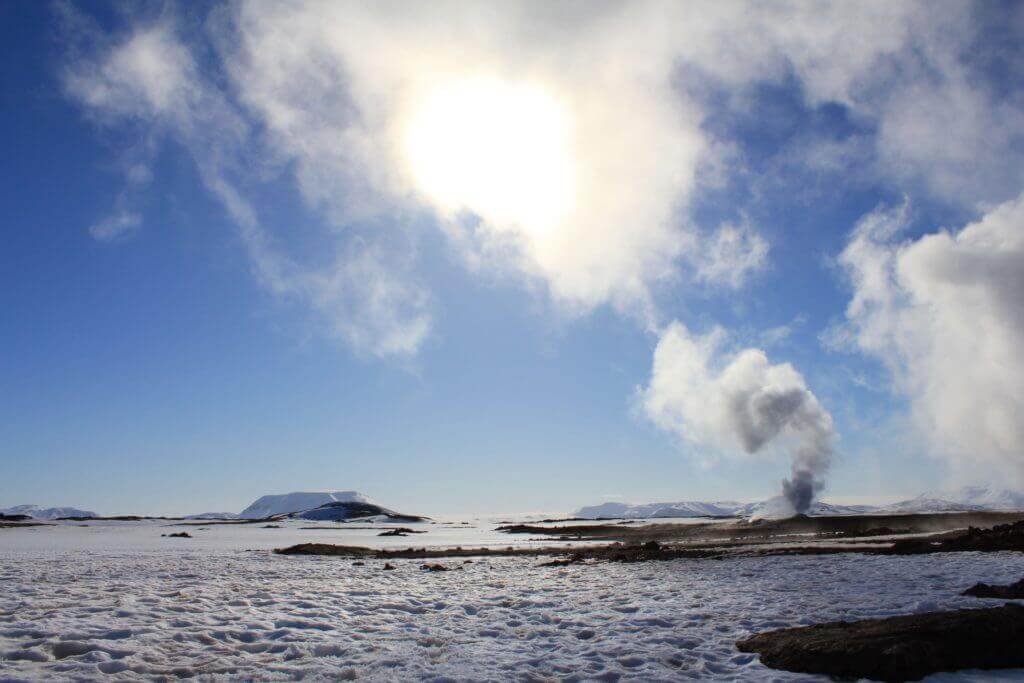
column 119, row 599
column 117, row 536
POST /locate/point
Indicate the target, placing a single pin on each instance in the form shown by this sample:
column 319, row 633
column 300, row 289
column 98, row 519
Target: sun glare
column 497, row 149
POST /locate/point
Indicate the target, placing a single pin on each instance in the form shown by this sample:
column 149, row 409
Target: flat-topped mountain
column 298, row 501
column 333, row 506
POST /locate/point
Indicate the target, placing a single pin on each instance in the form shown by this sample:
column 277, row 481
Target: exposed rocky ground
column 974, row 539
column 771, row 531
column 903, row 648
column 629, row 544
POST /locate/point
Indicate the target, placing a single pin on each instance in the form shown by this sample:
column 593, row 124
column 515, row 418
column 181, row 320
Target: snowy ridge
column 214, row 515
column 47, row 513
column 967, row 498
column 691, row 508
column 964, row 498
column 298, row 501
column 687, row 508
column 928, row 503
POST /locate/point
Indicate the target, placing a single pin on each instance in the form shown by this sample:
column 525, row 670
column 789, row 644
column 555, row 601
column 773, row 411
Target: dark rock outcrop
column 328, row 549
column 904, row 648
column 1015, row 591
column 437, row 567
column 400, row 531
column 342, row 511
column 998, row 538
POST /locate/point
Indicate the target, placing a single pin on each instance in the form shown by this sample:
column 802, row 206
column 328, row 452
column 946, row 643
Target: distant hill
column 298, row 501
column 686, row 508
column 214, row 515
column 963, row 498
column 966, row 498
column 37, row 512
column 695, row 508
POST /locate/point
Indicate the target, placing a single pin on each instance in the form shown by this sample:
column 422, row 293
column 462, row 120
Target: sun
column 500, row 150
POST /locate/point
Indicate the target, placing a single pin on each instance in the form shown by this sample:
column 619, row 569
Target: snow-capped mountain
column 773, row 507
column 47, row 513
column 964, row 498
column 988, row 497
column 214, row 515
column 688, row 508
column 778, row 507
column 928, row 502
column 299, row 501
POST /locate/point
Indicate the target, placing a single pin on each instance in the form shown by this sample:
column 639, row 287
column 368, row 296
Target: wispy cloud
column 114, row 226
column 731, row 255
column 327, row 96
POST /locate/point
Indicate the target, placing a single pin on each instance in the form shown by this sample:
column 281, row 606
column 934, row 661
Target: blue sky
column 216, row 286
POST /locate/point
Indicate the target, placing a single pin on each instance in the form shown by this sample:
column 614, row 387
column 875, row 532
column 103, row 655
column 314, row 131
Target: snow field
column 239, row 614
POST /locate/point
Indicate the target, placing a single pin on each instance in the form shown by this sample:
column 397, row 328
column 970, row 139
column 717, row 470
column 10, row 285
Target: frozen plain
column 118, row 600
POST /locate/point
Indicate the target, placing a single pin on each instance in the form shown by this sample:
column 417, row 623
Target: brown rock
column 904, row 648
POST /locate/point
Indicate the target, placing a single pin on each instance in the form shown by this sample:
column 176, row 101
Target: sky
column 509, row 257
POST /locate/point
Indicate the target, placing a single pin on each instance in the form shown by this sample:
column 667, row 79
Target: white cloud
column 149, row 73
column 739, row 403
column 115, row 225
column 774, row 336
column 731, row 255
column 633, row 146
column 326, row 94
column 945, row 313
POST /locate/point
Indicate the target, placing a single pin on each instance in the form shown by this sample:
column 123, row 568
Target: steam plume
column 740, row 403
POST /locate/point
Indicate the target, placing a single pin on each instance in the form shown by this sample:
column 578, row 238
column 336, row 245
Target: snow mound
column 298, row 501
column 47, row 513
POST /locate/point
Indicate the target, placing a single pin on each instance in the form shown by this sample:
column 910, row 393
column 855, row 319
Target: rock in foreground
column 1015, row 591
column 998, row 538
column 905, row 648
